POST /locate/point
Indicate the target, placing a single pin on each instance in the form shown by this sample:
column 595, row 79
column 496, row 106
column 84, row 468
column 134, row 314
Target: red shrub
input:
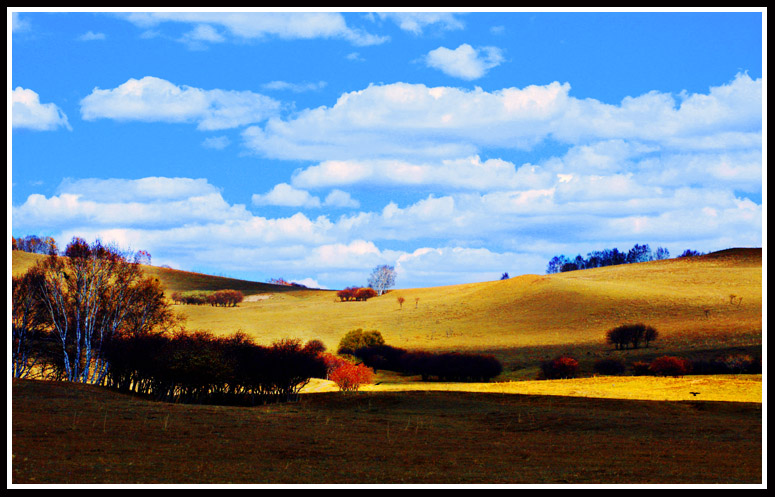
column 365, row 293
column 670, row 366
column 349, row 377
column 560, row 368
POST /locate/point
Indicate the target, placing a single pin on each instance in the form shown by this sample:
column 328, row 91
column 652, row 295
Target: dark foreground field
column 65, row 433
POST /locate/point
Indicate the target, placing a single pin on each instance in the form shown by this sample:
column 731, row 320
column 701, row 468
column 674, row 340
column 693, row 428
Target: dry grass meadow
column 516, row 430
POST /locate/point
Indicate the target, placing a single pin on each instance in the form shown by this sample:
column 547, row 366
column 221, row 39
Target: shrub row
column 568, row 367
column 199, row 367
column 356, row 293
column 447, row 366
column 220, row 298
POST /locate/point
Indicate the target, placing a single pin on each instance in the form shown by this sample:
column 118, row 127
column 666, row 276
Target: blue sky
column 453, row 145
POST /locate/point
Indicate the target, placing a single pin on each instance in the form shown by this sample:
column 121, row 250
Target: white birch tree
column 382, row 278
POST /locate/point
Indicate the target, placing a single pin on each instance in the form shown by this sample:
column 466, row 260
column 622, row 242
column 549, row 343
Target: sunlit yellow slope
column 713, row 301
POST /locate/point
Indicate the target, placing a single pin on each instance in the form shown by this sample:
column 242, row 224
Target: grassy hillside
column 173, row 279
column 522, row 319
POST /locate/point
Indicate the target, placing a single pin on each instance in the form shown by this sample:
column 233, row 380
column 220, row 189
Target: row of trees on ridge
column 611, row 257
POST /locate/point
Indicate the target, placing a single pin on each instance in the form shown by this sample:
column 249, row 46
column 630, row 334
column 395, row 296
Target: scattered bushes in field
column 355, row 293
column 633, row 335
column 670, row 366
column 357, row 339
column 609, row 367
column 562, row 367
column 728, row 364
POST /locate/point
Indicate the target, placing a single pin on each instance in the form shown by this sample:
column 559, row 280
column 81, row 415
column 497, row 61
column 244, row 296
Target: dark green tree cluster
column 631, row 335
column 606, row 257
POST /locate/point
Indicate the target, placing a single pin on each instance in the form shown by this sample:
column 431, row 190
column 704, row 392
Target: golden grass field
column 687, row 300
column 712, row 388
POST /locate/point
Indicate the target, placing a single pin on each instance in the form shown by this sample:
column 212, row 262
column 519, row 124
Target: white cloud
column 259, row 25
column 155, row 99
column 92, row 36
column 29, row 113
column 470, row 173
column 285, row 195
column 18, row 24
column 152, row 188
column 412, row 120
column 465, row 236
column 339, row 198
column 415, row 22
column 415, row 122
column 200, row 36
column 465, row 62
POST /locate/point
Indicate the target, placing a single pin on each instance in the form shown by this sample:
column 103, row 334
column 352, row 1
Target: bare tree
column 90, row 296
column 27, row 323
column 382, row 278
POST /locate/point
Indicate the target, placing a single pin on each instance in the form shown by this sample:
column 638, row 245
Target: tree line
column 611, row 257
column 35, row 244
column 199, row 367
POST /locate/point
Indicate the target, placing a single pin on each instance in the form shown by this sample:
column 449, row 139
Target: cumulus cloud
column 261, row 25
column 465, row 236
column 411, row 121
column 415, row 22
column 470, row 173
column 30, row 113
column 154, row 99
column 339, row 198
column 148, row 202
column 464, row 62
column 287, row 196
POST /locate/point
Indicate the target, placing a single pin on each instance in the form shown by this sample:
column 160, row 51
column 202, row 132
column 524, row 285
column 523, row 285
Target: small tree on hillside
column 357, row 339
column 382, row 278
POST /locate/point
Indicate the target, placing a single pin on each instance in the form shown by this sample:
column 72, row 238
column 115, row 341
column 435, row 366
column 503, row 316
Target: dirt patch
column 256, row 298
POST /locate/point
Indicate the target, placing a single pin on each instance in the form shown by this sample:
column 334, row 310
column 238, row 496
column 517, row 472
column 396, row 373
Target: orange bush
column 349, row 377
column 670, row 366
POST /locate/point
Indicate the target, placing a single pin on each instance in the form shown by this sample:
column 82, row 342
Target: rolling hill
column 706, row 303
